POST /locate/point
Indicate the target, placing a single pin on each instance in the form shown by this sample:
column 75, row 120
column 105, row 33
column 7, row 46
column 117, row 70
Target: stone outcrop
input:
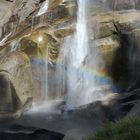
column 119, row 32
column 46, row 32
column 16, row 88
column 36, row 135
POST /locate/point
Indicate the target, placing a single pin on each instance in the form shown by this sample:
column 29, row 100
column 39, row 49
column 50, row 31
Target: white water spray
column 83, row 86
column 80, row 47
column 77, row 80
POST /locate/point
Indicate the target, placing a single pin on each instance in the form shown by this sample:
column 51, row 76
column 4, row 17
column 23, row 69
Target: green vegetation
column 127, row 129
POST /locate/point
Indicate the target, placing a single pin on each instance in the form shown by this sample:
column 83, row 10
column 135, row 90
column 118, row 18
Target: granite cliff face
column 23, row 33
column 28, row 39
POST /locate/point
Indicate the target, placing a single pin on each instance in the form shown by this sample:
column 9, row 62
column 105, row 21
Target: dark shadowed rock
column 37, row 135
column 135, row 111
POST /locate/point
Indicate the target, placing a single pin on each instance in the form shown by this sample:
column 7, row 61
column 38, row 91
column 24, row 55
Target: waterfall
column 73, row 81
column 78, row 50
column 83, row 62
column 79, row 47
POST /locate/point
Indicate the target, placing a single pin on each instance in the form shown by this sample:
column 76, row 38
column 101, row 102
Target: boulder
column 113, row 22
column 20, row 24
column 135, row 111
column 77, row 134
column 40, row 46
column 6, row 104
column 15, row 71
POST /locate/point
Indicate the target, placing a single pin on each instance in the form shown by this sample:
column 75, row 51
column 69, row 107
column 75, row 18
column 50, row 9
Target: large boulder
column 16, row 88
column 135, row 111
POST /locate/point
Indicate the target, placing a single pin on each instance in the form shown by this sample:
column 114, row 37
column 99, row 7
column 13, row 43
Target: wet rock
column 35, row 46
column 55, row 16
column 125, row 67
column 127, row 20
column 103, row 25
column 103, row 18
column 125, row 4
column 124, row 103
column 16, row 77
column 135, row 111
column 54, row 3
column 23, row 8
column 138, row 4
column 77, row 134
column 107, row 48
column 37, row 135
column 29, row 47
column 105, row 30
column 42, row 40
column 5, row 13
column 134, row 52
column 6, row 104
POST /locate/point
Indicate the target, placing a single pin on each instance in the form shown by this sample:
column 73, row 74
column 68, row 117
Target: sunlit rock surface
column 16, row 87
column 37, row 42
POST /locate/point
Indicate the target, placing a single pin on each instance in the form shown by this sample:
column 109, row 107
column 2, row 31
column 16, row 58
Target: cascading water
column 78, row 50
column 83, row 86
column 80, row 46
column 73, row 81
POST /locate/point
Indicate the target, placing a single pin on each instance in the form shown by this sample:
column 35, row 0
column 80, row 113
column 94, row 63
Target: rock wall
column 27, row 37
